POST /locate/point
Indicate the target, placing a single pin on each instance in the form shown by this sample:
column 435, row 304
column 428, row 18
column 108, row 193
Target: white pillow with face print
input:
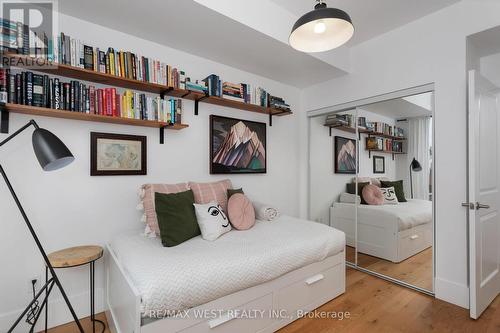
column 212, row 220
column 390, row 197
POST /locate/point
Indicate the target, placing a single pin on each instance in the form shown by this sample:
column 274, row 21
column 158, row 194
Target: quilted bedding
column 198, row 271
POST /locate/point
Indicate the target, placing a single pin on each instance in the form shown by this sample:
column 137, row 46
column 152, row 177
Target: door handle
column 469, row 205
column 481, row 206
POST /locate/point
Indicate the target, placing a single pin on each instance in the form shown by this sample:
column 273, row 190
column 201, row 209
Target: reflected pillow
column 351, row 188
column 398, row 188
column 372, row 195
column 390, row 197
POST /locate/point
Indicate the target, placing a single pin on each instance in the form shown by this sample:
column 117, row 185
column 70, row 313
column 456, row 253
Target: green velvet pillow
column 230, row 192
column 398, row 188
column 176, row 217
column 351, row 188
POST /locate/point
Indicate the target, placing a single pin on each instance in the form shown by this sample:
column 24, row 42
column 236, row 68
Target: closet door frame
column 354, row 105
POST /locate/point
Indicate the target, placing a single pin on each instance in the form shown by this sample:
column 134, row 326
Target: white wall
column 69, row 208
column 431, row 49
column 326, row 185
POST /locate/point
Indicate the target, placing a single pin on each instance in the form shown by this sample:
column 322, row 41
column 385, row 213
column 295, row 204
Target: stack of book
column 213, row 84
column 197, row 86
column 380, row 127
column 340, row 120
column 28, row 88
column 399, row 132
column 381, row 144
column 278, row 103
column 9, row 35
column 240, row 92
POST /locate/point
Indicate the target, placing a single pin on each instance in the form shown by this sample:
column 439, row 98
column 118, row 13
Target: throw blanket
column 265, row 212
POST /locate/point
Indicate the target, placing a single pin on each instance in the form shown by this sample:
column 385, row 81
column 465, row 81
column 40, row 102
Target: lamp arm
column 16, row 133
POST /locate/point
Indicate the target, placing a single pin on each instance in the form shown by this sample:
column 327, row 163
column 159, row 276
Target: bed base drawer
column 309, row 290
column 414, row 240
column 250, row 317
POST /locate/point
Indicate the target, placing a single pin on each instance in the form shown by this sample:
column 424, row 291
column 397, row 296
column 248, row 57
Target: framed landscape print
column 237, row 146
column 345, row 155
column 378, row 164
column 117, row 154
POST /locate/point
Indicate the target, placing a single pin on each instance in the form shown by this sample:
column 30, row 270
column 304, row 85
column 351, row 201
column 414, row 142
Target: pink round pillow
column 240, row 211
column 373, row 195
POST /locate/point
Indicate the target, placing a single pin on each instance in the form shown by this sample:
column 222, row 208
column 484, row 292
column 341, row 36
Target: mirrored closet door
column 371, row 176
column 395, row 217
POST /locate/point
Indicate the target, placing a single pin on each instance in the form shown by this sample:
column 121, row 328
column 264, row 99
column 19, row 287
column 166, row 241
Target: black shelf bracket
column 330, row 128
column 197, row 101
column 270, row 119
column 163, row 93
column 186, row 94
column 4, row 119
column 162, row 134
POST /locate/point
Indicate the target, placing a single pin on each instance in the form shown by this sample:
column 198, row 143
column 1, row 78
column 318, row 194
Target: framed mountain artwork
column 345, row 155
column 237, row 146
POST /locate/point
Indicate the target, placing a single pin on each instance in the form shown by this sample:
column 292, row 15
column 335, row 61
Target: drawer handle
column 221, row 320
column 413, row 237
column 314, row 279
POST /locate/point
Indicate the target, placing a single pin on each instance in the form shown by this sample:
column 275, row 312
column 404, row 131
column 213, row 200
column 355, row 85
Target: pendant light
column 321, row 30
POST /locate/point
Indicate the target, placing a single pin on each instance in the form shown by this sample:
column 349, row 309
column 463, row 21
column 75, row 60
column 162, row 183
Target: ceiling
column 401, row 108
column 251, row 46
column 372, row 17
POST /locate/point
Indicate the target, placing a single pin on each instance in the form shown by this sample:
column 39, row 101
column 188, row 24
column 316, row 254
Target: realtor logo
column 27, row 29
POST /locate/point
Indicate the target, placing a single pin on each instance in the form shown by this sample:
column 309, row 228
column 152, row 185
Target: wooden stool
column 74, row 257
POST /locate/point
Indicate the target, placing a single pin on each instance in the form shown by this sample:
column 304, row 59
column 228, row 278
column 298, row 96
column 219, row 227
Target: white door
column 484, row 193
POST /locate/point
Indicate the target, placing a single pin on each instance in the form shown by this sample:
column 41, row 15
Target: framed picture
column 378, row 164
column 237, row 146
column 345, row 155
column 117, row 154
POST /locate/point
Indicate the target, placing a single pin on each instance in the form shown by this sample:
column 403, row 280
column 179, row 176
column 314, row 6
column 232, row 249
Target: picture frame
column 345, row 155
column 249, row 157
column 378, row 164
column 117, row 154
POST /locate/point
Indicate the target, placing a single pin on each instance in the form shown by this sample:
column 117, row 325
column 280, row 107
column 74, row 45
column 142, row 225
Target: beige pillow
column 147, row 195
column 208, row 192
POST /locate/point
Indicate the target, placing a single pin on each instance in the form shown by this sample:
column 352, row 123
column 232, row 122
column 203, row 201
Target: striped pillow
column 148, row 202
column 207, row 192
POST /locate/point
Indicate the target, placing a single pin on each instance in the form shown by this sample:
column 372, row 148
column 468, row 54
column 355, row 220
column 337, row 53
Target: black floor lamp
column 52, row 154
column 416, row 167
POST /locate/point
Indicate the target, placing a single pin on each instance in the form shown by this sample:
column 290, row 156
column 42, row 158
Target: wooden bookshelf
column 74, row 115
column 364, row 131
column 43, row 65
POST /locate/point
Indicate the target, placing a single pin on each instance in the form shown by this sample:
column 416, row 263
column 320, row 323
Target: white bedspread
column 406, row 214
column 198, row 271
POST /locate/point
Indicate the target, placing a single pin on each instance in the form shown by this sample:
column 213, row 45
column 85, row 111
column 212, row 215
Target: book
column 38, row 90
column 88, row 57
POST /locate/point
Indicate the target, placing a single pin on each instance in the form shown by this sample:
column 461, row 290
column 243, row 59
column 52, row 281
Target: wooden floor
column 379, row 306
column 416, row 270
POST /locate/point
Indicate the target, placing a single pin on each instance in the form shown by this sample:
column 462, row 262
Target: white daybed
column 270, row 271
column 391, row 232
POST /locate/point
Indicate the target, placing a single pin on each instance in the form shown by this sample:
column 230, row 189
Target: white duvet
column 198, row 271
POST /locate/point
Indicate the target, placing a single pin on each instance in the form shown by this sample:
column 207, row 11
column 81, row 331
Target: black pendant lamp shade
column 51, row 152
column 321, row 30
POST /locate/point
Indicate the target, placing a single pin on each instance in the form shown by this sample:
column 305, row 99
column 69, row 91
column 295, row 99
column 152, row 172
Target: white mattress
column 198, row 271
column 407, row 215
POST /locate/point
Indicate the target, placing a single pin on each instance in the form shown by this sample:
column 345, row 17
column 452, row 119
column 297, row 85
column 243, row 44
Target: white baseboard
column 58, row 311
column 452, row 292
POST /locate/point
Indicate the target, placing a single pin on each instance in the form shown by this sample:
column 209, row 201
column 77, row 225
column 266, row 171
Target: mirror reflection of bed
column 385, row 207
